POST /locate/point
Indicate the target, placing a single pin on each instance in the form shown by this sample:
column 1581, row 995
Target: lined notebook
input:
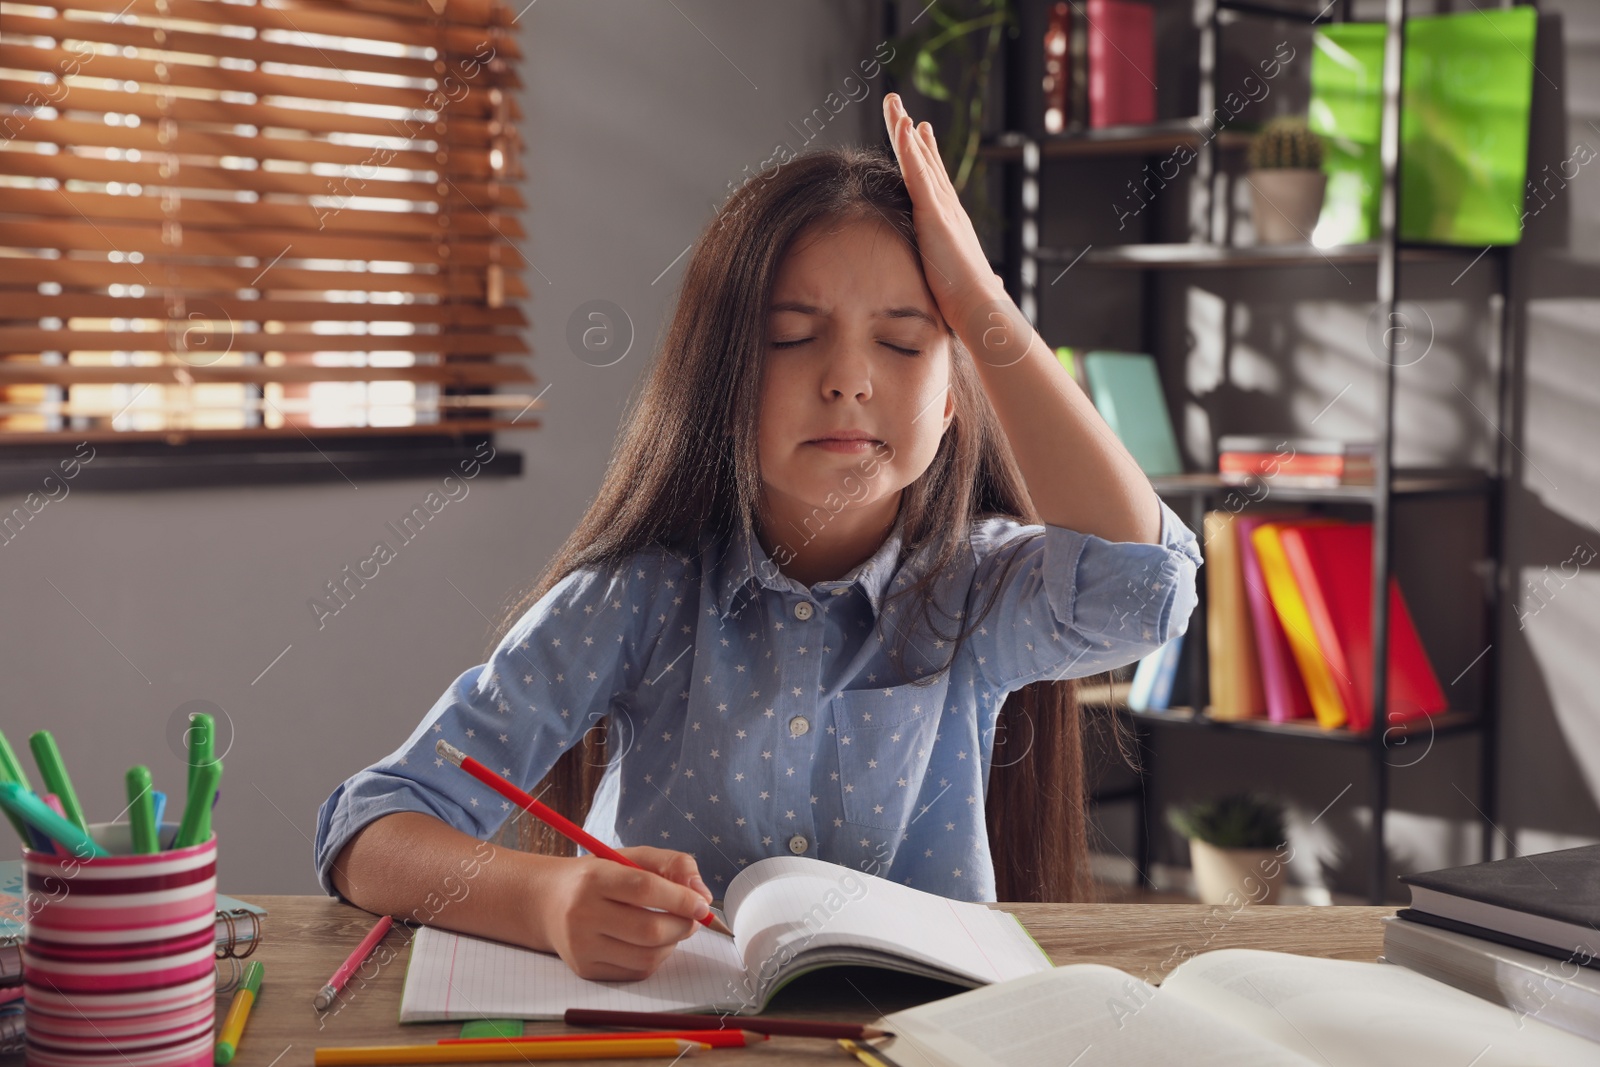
column 790, row 915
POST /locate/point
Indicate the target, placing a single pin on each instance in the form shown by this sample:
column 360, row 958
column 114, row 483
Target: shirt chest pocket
column 885, row 742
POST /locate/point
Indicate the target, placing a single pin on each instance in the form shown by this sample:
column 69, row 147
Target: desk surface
column 307, row 937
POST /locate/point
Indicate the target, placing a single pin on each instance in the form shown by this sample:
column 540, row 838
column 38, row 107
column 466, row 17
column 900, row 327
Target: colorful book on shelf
column 1126, row 390
column 1122, row 63
column 1236, row 691
column 1281, row 685
column 1151, row 687
column 1299, row 461
column 1332, row 566
column 1315, row 670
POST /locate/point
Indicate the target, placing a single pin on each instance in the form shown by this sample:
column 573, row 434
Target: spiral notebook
column 790, row 915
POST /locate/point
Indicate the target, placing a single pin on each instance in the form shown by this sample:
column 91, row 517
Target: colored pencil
column 503, row 1052
column 54, row 772
column 558, row 822
column 238, row 1012
column 142, row 811
column 158, row 803
column 26, row 805
column 659, row 1019
column 196, row 826
column 325, row 996
column 714, row 1038
column 12, row 771
column 870, row 1055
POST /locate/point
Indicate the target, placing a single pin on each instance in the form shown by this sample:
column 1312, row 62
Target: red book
column 1333, row 566
column 1122, row 63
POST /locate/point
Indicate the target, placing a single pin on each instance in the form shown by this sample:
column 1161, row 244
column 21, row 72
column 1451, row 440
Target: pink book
column 1280, row 676
column 1122, row 63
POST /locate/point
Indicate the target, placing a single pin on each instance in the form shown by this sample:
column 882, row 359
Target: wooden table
column 306, row 937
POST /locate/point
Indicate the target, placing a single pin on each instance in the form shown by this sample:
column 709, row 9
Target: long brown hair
column 685, row 464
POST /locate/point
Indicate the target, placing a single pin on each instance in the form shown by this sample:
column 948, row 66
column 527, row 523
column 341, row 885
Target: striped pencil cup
column 119, row 955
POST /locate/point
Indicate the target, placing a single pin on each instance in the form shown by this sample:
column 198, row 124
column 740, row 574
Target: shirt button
column 802, row 610
column 798, row 725
column 797, row 844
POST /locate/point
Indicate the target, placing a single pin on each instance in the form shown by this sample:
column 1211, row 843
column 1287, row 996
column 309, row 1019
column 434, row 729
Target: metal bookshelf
column 1020, row 152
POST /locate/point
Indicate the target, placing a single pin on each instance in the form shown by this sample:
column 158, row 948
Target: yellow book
column 1326, row 703
column 1236, row 691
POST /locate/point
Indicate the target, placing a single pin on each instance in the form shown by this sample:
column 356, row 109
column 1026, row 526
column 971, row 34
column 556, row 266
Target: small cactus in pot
column 1286, row 180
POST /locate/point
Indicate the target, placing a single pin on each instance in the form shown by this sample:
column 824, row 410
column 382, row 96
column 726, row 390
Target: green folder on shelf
column 1464, row 119
column 1126, row 390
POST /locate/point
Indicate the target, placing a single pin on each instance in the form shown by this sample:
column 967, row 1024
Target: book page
column 793, row 904
column 453, row 976
column 1082, row 1015
column 1345, row 1012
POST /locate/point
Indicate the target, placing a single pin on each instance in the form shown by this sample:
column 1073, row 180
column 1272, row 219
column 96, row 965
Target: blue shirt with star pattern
column 748, row 715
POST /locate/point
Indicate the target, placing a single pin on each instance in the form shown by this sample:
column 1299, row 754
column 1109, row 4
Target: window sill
column 133, row 466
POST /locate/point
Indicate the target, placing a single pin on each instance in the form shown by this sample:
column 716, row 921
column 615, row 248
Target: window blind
column 257, row 219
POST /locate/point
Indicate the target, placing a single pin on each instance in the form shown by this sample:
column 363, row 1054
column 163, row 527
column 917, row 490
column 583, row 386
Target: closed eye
column 886, row 344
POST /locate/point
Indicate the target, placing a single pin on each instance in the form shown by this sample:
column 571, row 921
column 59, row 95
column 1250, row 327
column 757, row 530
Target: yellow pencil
column 505, row 1051
column 238, row 1012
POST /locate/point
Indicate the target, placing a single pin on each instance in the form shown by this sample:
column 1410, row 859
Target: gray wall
column 637, row 118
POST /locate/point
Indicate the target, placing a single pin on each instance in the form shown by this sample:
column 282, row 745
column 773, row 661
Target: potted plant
column 1235, row 846
column 1286, row 180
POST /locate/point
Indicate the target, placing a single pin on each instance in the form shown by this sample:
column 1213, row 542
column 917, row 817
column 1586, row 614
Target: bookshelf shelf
column 1193, row 255
column 1020, row 153
column 1409, row 483
column 1153, row 139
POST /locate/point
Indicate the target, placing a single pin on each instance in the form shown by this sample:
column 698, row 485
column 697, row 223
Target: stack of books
column 1289, row 624
column 1523, row 932
column 1309, row 462
column 1099, row 65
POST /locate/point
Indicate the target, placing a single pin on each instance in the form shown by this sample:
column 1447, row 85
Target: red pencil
column 562, row 825
column 714, row 1038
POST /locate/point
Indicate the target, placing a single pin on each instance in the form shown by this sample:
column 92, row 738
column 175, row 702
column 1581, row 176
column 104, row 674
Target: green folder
column 1126, row 390
column 1463, row 126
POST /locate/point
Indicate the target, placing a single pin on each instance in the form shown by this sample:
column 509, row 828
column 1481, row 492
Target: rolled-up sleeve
column 1069, row 604
column 552, row 677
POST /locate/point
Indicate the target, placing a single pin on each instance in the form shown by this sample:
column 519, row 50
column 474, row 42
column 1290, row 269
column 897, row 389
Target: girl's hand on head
column 953, row 259
column 609, row 921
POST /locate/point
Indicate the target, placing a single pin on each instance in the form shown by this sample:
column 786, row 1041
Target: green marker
column 202, row 738
column 142, row 811
column 238, row 1013
column 11, row 771
column 196, row 825
column 26, row 805
column 48, row 757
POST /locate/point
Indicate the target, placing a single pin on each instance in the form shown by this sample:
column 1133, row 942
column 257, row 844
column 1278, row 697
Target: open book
column 790, row 915
column 1232, row 1007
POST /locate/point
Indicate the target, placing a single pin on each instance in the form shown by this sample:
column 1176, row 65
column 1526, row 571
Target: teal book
column 1126, row 390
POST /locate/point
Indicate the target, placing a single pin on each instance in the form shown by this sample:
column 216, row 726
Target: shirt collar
column 745, row 560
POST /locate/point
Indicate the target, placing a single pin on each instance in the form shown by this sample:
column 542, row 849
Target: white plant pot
column 1236, row 875
column 1286, row 204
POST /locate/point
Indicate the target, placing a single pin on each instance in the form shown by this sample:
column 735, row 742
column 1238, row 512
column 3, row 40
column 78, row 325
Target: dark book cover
column 1564, row 885
column 1483, row 933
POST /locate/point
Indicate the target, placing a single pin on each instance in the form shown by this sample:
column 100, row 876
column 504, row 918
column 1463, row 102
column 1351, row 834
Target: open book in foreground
column 790, row 915
column 1232, row 1007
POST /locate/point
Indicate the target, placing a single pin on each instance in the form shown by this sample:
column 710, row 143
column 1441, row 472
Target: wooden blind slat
column 456, row 374
column 87, row 236
column 281, row 279
column 472, row 163
column 320, row 18
column 470, row 132
column 449, row 428
column 89, row 305
column 291, row 86
column 33, row 339
column 261, row 215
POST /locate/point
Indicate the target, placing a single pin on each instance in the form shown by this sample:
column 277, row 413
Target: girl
column 858, row 535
